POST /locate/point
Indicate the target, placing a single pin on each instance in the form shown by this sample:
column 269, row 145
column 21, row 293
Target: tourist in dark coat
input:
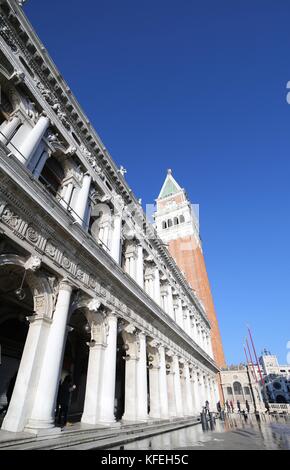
column 63, row 400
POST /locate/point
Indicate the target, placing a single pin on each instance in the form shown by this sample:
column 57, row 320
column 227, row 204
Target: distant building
column 240, row 383
column 276, row 377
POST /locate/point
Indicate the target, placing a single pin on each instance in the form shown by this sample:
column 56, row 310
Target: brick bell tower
column 177, row 225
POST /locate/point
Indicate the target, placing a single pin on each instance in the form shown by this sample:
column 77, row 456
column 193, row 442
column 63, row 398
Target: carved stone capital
column 131, row 329
column 65, row 284
column 94, row 305
column 33, row 263
column 154, row 343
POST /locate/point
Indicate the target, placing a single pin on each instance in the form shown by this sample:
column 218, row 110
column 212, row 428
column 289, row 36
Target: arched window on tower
column 176, row 221
column 164, row 225
column 182, row 219
column 52, row 175
column 169, row 223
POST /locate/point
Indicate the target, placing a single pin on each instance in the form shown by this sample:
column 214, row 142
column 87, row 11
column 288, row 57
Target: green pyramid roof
column 169, row 187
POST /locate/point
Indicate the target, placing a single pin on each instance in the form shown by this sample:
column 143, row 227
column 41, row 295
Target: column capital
column 33, row 263
column 112, row 314
column 142, row 333
column 94, row 305
column 154, row 343
column 65, row 284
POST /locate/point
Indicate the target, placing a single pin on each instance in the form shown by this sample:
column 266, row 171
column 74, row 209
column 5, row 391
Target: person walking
column 63, row 400
column 239, row 405
column 247, row 406
column 267, row 407
column 207, row 407
column 232, row 406
column 245, row 415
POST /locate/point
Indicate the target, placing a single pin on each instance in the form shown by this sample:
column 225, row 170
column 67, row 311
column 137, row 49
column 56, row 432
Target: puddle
column 234, row 433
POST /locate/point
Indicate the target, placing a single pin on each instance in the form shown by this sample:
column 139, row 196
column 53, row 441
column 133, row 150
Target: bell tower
column 177, row 225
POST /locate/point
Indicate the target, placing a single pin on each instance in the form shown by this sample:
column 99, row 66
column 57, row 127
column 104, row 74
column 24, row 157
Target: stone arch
column 93, row 311
column 38, row 283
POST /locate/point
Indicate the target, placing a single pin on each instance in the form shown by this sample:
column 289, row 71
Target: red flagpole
column 254, row 370
column 253, row 346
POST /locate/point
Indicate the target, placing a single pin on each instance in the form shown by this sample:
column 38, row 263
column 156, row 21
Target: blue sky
column 198, row 86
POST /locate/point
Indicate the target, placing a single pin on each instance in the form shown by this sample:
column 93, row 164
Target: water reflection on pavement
column 268, row 433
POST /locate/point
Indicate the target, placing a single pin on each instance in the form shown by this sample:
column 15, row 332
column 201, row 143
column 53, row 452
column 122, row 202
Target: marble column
column 188, row 392
column 130, row 264
column 177, row 387
column 116, row 237
column 154, row 383
column 170, row 306
column 149, row 284
column 140, row 266
column 81, row 203
column 164, row 301
column 194, row 330
column 109, row 372
column 207, row 392
column 187, row 322
column 203, row 341
column 164, row 411
column 31, row 361
column 7, row 131
column 212, row 400
column 171, row 390
column 42, row 415
column 198, row 337
column 142, row 398
column 216, row 391
column 183, row 390
column 196, row 392
column 210, row 351
column 157, row 295
column 203, row 394
column 101, row 374
column 29, row 145
column 131, row 358
column 179, row 311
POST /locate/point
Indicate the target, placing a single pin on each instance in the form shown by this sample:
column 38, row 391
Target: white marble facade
column 72, row 230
